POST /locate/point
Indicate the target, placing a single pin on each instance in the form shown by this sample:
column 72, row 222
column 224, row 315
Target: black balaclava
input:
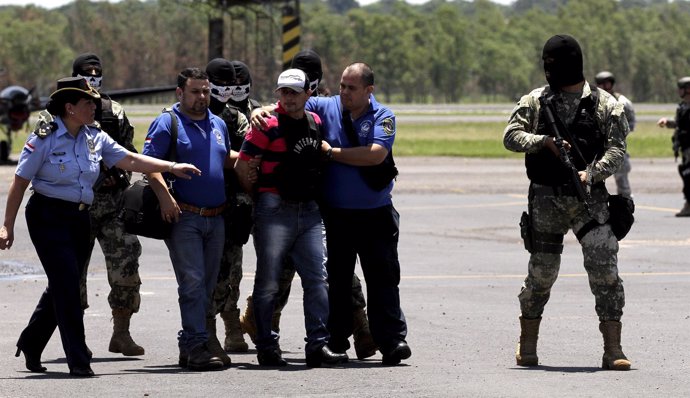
column 221, row 75
column 562, row 58
column 88, row 66
column 242, row 85
column 310, row 63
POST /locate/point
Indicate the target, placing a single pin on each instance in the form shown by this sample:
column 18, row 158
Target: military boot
column 526, row 353
column 213, row 344
column 364, row 342
column 122, row 342
column 613, row 359
column 234, row 341
column 685, row 211
column 247, row 322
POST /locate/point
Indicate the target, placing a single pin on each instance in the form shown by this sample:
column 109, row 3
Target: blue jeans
column 293, row 229
column 195, row 246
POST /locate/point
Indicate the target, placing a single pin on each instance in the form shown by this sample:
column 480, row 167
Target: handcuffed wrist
column 172, row 165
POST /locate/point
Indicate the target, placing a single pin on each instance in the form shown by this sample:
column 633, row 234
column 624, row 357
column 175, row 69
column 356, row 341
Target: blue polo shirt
column 344, row 186
column 203, row 143
column 65, row 167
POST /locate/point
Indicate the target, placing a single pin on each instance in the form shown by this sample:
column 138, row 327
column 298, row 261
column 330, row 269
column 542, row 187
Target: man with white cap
column 287, row 220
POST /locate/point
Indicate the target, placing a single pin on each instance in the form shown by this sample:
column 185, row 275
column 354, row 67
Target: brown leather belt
column 202, row 211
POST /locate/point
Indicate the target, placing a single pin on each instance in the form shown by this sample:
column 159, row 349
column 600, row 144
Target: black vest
column 546, row 168
column 298, row 173
column 107, row 119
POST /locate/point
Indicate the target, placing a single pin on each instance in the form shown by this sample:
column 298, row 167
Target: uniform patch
column 45, row 129
column 29, row 148
column 219, row 136
column 388, row 126
column 365, row 127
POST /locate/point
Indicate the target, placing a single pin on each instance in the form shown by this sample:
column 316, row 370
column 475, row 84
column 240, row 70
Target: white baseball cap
column 293, row 79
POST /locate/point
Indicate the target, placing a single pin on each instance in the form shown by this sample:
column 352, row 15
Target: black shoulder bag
column 139, row 207
column 376, row 177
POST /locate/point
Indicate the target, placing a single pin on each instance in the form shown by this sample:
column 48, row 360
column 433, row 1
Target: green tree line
column 441, row 51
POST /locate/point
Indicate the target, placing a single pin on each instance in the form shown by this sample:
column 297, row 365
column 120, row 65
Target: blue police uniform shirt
column 65, row 167
column 344, row 186
column 203, row 143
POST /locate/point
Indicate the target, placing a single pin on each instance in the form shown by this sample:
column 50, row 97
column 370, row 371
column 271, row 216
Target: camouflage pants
column 121, row 251
column 227, row 291
column 556, row 215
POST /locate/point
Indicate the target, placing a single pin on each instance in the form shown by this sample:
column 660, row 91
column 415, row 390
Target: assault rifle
column 583, row 194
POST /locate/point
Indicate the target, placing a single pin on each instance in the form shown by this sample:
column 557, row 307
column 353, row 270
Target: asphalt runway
column 462, row 267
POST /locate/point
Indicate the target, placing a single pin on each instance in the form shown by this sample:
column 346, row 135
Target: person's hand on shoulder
column 259, row 116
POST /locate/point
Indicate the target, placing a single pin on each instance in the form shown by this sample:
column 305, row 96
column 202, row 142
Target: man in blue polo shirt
column 361, row 220
column 196, row 242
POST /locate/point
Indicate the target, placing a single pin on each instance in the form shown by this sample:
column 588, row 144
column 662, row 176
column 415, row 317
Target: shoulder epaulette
column 45, row 129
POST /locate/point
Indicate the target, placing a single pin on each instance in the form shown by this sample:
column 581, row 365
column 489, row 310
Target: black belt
column 61, row 203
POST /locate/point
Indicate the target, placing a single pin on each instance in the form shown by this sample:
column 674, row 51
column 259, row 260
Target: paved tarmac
column 462, row 266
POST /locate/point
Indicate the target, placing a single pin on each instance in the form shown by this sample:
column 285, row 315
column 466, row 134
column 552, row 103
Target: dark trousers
column 60, row 233
column 371, row 234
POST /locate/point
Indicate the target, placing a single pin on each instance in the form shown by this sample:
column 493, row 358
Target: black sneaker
column 271, row 357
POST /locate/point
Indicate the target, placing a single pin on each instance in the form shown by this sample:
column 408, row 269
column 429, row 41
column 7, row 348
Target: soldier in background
column 121, row 250
column 681, row 139
column 605, row 81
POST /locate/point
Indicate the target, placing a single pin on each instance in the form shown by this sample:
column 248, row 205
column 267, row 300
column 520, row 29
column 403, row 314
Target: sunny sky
column 58, row 3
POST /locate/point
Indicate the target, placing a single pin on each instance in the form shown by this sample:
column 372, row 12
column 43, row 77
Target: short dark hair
column 190, row 73
column 365, row 72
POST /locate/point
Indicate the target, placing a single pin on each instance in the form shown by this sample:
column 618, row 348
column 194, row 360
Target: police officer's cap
column 74, row 86
column 605, row 76
column 684, row 82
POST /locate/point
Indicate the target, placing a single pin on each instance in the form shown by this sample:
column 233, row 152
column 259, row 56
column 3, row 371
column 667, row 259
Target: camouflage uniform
column 621, row 176
column 553, row 214
column 227, row 291
column 121, row 250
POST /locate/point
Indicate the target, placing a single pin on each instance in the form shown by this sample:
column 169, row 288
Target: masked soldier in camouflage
column 597, row 127
column 223, row 78
column 121, row 250
column 681, row 139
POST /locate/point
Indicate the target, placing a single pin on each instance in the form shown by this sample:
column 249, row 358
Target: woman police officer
column 61, row 161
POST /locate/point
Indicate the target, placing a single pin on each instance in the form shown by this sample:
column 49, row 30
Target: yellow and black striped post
column 291, row 34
